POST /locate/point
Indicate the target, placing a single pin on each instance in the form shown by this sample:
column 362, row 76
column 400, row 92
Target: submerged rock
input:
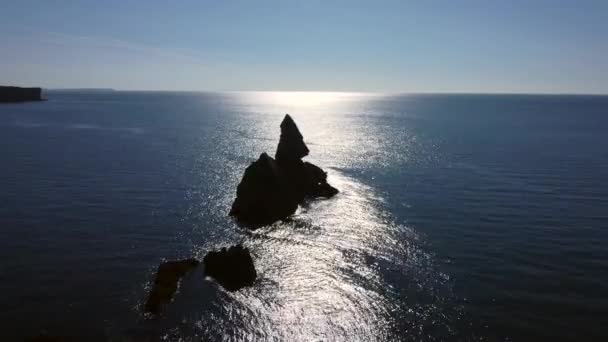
column 232, row 268
column 271, row 189
column 165, row 284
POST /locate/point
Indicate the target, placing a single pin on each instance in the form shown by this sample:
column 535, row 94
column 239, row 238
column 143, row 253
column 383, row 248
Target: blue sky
column 381, row 46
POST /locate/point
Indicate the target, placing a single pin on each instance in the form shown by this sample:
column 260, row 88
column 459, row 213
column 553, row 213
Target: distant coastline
column 10, row 94
column 337, row 92
column 82, row 90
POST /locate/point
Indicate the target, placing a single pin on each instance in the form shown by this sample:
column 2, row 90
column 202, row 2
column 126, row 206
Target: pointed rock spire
column 291, row 144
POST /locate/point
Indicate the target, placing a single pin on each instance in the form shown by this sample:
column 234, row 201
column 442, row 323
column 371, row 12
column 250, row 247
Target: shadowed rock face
column 262, row 195
column 232, row 268
column 315, row 182
column 271, row 190
column 168, row 275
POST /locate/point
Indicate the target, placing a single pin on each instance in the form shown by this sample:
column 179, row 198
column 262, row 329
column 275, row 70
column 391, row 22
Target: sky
column 466, row 46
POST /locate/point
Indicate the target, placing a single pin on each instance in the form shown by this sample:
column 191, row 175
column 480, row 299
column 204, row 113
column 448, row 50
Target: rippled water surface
column 460, row 217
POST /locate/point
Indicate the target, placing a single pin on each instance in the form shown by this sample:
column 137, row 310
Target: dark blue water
column 460, row 217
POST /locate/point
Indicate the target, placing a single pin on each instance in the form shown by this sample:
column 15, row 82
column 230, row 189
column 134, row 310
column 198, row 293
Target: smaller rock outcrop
column 307, row 180
column 18, row 94
column 232, row 268
column 165, row 284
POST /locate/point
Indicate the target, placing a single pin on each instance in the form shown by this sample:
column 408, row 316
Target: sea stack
column 232, row 268
column 264, row 195
column 291, row 143
column 271, row 190
column 165, row 284
column 18, row 94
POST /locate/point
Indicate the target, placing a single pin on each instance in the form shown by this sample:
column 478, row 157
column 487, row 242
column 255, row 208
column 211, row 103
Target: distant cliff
column 18, row 94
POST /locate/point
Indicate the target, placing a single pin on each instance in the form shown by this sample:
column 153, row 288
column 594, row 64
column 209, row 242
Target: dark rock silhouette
column 263, row 195
column 165, row 284
column 232, row 268
column 271, row 190
column 291, row 143
column 18, row 94
column 313, row 181
column 47, row 338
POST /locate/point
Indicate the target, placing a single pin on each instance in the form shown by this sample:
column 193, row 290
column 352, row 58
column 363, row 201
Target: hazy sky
column 386, row 46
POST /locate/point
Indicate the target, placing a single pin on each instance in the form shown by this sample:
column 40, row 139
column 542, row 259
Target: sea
column 460, row 217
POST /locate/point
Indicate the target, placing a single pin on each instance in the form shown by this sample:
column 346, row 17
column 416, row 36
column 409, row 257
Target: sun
column 304, row 98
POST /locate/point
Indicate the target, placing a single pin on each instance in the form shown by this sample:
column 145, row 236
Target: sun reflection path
column 322, row 276
column 340, row 269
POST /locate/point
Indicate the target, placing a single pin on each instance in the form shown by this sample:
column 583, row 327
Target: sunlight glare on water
column 340, row 269
column 319, row 278
column 460, row 217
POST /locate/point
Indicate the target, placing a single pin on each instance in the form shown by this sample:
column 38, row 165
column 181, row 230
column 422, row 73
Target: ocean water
column 460, row 217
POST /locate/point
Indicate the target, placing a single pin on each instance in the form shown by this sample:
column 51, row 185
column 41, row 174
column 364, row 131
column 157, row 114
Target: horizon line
column 386, row 93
